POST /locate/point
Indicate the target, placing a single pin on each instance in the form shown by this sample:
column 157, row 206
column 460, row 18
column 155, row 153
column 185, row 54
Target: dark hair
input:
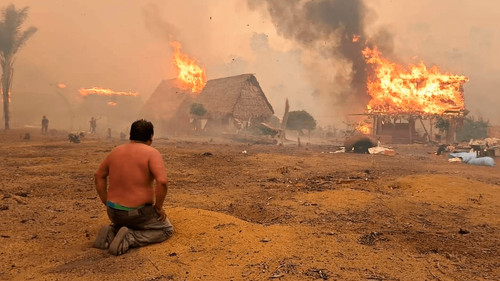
column 141, row 130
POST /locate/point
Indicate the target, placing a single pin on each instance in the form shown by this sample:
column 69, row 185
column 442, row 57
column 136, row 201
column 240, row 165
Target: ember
column 191, row 75
column 417, row 90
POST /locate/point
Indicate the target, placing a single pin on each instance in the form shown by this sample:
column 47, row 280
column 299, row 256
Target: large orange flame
column 417, row 89
column 191, row 76
column 104, row 92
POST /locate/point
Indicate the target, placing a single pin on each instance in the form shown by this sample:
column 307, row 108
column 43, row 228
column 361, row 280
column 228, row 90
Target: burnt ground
column 254, row 212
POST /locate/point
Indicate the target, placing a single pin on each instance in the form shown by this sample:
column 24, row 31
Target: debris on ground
column 360, row 143
column 472, row 158
column 445, row 148
column 381, row 150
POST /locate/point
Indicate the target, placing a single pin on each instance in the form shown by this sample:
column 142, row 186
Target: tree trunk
column 6, row 81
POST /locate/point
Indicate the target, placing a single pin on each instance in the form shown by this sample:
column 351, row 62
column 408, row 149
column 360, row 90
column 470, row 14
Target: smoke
column 156, row 24
column 332, row 35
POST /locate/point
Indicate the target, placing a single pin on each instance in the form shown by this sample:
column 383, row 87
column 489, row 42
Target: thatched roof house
column 234, row 100
column 230, row 102
column 168, row 108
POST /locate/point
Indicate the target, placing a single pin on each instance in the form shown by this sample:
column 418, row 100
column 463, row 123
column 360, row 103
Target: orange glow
column 61, row 86
column 355, row 38
column 104, row 92
column 190, row 75
column 364, row 129
column 112, row 103
column 416, row 89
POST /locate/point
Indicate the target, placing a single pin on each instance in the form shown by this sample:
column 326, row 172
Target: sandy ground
column 272, row 213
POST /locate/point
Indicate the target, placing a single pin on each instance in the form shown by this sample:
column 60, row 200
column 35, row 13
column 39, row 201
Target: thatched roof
column 166, row 100
column 238, row 96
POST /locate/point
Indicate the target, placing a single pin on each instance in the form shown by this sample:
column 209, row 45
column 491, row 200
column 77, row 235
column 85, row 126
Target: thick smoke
column 334, row 31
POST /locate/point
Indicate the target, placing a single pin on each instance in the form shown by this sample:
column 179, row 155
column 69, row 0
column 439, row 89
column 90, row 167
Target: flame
column 61, row 86
column 190, row 75
column 104, row 92
column 365, row 129
column 112, row 103
column 355, row 38
column 420, row 90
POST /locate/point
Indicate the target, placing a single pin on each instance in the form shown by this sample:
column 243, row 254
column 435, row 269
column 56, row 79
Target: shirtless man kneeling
column 134, row 207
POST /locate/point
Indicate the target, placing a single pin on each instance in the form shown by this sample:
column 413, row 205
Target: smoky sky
column 300, row 50
column 336, row 29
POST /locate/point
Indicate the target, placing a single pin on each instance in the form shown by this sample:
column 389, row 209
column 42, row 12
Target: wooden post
column 431, row 124
column 422, row 122
column 411, row 125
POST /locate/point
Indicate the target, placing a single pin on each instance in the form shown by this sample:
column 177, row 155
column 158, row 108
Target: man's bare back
column 134, row 167
column 134, row 208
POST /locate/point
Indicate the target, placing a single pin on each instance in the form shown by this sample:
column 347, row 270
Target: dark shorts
column 145, row 217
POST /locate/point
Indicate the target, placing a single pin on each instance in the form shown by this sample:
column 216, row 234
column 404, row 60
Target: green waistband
column 120, row 207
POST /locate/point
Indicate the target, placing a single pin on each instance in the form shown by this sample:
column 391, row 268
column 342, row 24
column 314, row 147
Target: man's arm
column 101, row 181
column 158, row 171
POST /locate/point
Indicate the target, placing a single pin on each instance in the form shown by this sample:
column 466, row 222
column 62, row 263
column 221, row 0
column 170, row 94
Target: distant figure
column 109, row 133
column 93, row 125
column 45, row 125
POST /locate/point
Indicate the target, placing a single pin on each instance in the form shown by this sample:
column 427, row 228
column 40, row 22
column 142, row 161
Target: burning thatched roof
column 238, row 96
column 166, row 100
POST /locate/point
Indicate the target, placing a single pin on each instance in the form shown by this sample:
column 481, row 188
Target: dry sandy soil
column 272, row 213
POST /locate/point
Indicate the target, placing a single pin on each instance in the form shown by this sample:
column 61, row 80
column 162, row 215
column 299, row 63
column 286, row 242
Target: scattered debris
column 207, row 154
column 445, row 148
column 472, row 158
column 463, row 231
column 341, row 150
column 381, row 150
column 369, row 239
column 74, row 138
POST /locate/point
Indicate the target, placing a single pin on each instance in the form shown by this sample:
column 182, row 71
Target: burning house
column 168, row 107
column 229, row 103
column 403, row 98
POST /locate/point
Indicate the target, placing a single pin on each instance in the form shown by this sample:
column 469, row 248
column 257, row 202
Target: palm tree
column 11, row 39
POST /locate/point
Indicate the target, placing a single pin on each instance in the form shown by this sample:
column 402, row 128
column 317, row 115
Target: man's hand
column 161, row 213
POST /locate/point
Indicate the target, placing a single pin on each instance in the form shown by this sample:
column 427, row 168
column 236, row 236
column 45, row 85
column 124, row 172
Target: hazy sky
column 123, row 45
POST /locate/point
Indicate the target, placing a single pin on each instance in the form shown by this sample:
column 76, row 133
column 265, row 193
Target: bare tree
column 11, row 40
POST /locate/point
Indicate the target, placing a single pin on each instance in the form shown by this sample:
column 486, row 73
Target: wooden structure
column 232, row 103
column 168, row 108
column 401, row 128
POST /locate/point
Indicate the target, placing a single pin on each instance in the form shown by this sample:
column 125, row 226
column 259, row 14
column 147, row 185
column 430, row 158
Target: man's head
column 141, row 130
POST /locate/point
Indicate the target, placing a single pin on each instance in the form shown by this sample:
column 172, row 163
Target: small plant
column 198, row 109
